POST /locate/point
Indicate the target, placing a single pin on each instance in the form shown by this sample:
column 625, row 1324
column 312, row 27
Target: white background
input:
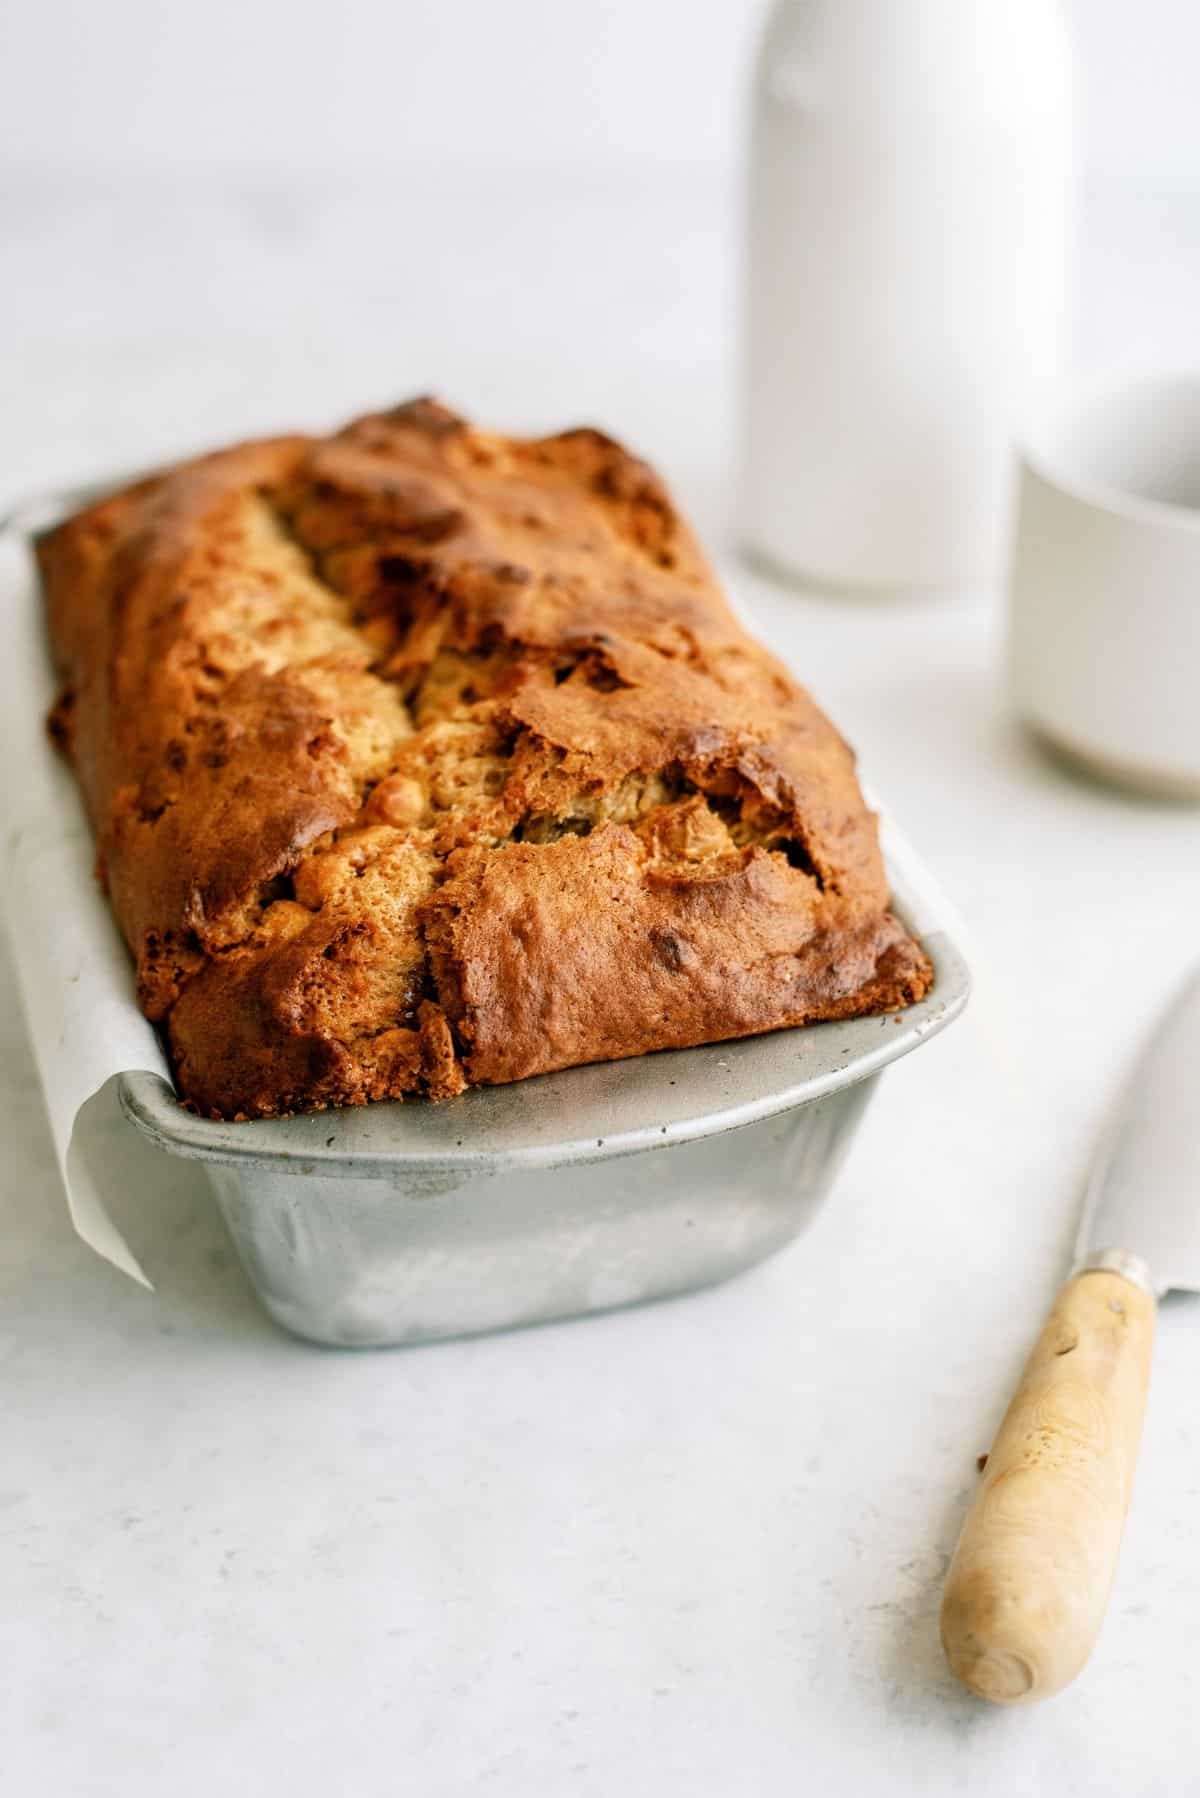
column 138, row 84
column 379, row 197
column 695, row 1550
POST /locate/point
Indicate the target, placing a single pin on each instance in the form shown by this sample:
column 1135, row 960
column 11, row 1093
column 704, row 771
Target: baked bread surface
column 418, row 756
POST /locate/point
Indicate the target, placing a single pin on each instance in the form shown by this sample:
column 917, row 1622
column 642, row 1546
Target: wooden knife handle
column 1028, row 1586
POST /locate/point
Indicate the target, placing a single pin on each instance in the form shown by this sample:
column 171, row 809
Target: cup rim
column 1036, row 453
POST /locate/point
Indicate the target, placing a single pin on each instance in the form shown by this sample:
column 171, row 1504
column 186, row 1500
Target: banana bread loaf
column 419, row 756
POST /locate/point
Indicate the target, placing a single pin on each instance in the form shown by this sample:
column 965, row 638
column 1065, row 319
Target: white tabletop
column 691, row 1550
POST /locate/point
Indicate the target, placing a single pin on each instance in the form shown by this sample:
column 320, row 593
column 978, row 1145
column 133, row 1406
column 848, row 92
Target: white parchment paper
column 73, row 970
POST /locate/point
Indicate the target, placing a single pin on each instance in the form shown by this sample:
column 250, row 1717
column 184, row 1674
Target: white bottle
column 910, row 243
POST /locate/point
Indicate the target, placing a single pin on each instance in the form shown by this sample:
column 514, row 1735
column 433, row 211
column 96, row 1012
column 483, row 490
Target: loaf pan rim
column 476, row 1133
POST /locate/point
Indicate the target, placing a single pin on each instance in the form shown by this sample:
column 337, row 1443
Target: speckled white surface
column 689, row 1550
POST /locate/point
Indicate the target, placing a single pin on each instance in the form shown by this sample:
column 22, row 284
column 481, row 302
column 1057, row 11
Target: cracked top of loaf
column 419, row 756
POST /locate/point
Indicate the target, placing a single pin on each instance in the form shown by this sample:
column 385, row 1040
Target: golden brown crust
column 419, row 756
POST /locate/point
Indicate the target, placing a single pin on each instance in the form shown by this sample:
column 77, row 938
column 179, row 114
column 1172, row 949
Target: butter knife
column 1029, row 1583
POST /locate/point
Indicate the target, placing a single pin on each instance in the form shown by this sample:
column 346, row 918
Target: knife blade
column 1028, row 1586
column 1143, row 1198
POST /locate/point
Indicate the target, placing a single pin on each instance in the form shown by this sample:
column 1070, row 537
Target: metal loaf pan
column 567, row 1194
column 571, row 1193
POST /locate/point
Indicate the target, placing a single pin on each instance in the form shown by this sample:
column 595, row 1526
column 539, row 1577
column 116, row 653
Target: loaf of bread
column 419, row 757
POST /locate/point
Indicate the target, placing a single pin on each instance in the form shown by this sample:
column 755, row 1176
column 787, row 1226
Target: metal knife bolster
column 1118, row 1261
column 1141, row 1215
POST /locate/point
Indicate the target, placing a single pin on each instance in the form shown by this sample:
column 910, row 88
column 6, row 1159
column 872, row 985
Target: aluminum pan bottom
column 361, row 1264
column 395, row 1223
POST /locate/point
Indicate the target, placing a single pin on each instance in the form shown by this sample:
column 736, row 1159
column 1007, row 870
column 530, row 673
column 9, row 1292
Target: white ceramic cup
column 1104, row 646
